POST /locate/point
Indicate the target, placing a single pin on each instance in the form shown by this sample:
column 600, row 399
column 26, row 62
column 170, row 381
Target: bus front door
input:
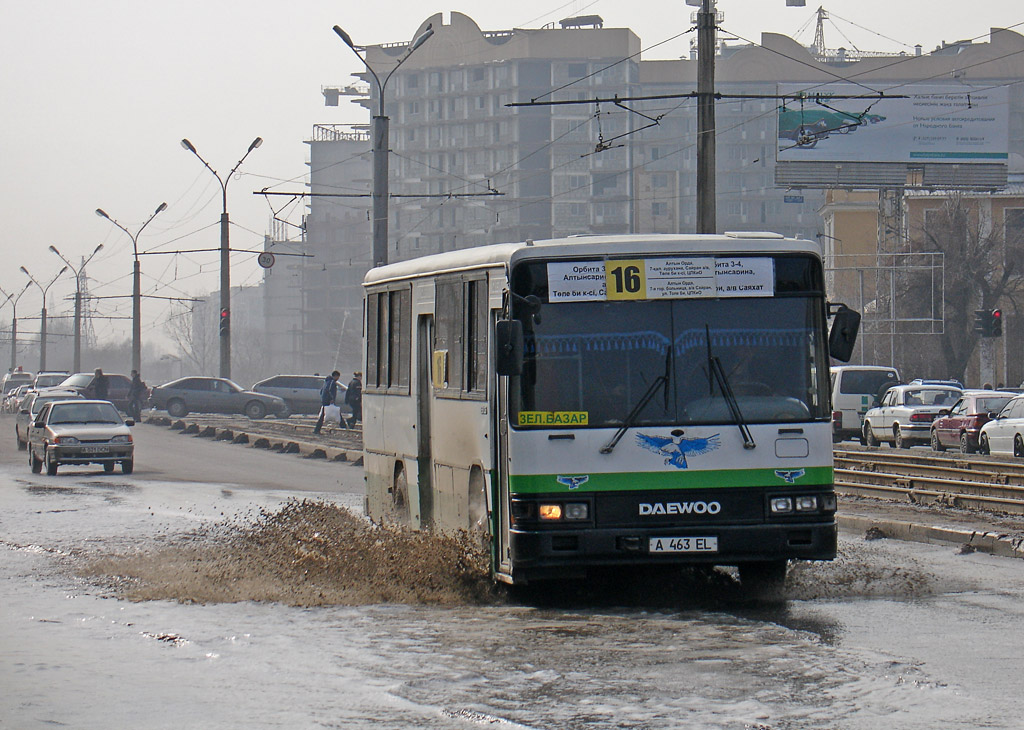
column 500, row 521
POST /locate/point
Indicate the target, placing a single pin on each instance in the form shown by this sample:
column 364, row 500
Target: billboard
column 932, row 125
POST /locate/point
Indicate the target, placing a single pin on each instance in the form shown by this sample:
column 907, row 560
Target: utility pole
column 225, row 254
column 706, row 190
column 380, row 132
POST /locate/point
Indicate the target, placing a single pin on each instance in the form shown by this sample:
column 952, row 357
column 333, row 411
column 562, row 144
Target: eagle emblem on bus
column 675, row 447
column 573, row 482
column 790, row 475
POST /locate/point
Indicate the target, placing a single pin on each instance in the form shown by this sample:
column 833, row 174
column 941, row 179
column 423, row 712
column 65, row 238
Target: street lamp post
column 42, row 315
column 380, row 133
column 13, row 299
column 78, row 301
column 225, row 256
column 136, row 284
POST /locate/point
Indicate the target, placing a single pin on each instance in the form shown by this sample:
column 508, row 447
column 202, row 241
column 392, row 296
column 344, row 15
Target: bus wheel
column 399, row 508
column 764, row 579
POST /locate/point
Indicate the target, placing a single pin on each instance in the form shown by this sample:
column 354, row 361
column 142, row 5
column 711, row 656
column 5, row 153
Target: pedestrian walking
column 100, row 385
column 138, row 395
column 328, row 393
column 354, row 398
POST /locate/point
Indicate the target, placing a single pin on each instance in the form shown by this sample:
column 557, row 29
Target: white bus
column 608, row 400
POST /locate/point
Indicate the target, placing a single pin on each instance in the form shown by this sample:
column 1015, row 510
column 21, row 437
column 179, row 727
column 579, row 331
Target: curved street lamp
column 225, row 255
column 78, row 301
column 380, row 133
column 42, row 316
column 136, row 284
column 13, row 299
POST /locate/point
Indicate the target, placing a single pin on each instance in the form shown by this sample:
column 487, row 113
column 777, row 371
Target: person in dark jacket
column 138, row 394
column 328, row 393
column 100, row 385
column 354, row 398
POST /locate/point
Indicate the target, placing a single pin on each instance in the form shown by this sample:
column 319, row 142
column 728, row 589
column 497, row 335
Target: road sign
column 265, row 259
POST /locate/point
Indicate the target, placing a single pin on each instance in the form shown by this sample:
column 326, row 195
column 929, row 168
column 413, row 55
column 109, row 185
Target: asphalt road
column 890, row 635
column 165, row 455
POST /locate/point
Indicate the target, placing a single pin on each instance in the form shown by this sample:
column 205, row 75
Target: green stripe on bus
column 642, row 481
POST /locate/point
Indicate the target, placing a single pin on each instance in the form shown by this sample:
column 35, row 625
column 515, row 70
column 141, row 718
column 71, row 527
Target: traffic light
column 982, row 322
column 988, row 322
column 225, row 321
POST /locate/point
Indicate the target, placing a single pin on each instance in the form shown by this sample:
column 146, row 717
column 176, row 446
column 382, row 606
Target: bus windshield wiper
column 660, row 381
column 716, row 371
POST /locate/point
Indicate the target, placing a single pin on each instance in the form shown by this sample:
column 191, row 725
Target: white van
column 855, row 389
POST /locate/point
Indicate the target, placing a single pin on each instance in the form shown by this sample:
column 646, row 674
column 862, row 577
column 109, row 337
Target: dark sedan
column 961, row 425
column 117, row 387
column 213, row 395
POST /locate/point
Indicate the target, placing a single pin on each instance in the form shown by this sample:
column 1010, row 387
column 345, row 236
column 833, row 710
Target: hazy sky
column 97, row 95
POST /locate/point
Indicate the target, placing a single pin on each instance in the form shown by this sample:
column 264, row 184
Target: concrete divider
column 995, row 543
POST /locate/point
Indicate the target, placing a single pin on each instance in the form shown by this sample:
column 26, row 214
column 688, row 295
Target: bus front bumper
column 539, row 554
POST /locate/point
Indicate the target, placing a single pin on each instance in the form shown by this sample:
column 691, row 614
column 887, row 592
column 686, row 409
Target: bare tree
column 197, row 346
column 982, row 268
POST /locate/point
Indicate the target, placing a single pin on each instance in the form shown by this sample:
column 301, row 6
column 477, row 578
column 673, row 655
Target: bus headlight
column 551, row 511
column 806, row 504
column 576, row 511
column 781, row 505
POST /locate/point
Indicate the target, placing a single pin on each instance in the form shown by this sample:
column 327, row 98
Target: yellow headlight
column 551, row 511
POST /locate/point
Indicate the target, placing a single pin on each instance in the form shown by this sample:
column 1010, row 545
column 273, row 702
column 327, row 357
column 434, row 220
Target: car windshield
column 931, row 397
column 865, row 382
column 78, row 380
column 46, row 381
column 83, row 413
column 41, row 401
column 991, row 405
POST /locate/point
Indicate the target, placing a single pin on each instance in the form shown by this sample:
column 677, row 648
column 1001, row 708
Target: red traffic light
column 997, row 313
column 225, row 313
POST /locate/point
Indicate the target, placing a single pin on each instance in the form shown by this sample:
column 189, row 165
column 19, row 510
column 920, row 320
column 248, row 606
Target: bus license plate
column 684, row 545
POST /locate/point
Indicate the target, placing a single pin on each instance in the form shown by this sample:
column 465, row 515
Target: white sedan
column 905, row 415
column 1004, row 434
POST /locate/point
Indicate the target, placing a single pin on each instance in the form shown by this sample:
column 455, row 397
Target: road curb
column 306, row 449
column 994, row 543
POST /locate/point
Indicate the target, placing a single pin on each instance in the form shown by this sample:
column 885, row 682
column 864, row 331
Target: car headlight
column 123, row 439
column 66, row 440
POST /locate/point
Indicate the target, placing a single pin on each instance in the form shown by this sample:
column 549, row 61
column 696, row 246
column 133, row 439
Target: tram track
column 972, row 482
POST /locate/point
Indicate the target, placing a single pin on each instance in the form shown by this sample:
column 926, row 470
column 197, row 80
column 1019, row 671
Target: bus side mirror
column 843, row 335
column 508, row 336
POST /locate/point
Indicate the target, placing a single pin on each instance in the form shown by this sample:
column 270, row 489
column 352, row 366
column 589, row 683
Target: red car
column 959, row 427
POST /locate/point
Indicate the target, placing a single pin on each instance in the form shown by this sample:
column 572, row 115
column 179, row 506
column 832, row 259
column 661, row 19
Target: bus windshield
column 593, row 363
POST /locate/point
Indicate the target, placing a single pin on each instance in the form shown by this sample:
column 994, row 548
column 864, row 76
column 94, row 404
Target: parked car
column 15, row 378
column 905, row 415
column 1004, row 434
column 213, row 395
column 49, row 379
column 301, row 393
column 855, row 389
column 80, row 432
column 961, row 426
column 30, row 407
column 117, row 387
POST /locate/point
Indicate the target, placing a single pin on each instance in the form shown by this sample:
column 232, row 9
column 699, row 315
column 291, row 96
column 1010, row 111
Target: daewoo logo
column 680, row 508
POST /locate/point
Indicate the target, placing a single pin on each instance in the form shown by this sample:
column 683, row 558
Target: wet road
column 892, row 635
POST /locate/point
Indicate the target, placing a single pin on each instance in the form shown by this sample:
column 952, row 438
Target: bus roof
column 503, row 254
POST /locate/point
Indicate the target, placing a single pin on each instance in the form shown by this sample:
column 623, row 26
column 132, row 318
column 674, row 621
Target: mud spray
column 312, row 553
column 306, row 554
